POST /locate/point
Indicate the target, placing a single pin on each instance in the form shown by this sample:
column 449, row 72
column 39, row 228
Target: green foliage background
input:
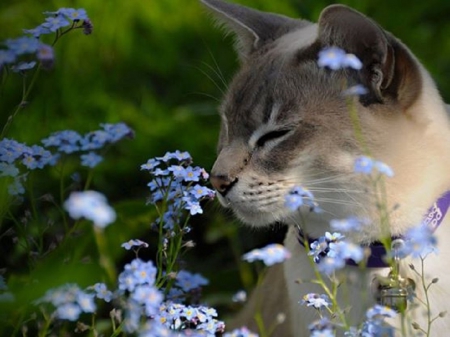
column 161, row 67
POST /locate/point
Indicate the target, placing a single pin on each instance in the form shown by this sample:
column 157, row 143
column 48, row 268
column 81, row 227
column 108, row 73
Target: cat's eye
column 270, row 136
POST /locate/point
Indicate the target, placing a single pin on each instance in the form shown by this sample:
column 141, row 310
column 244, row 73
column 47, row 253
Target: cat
column 286, row 123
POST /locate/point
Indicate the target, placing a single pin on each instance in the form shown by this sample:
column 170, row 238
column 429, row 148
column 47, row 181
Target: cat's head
column 285, row 120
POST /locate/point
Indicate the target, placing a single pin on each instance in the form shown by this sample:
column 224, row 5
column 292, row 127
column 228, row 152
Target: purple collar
column 432, row 219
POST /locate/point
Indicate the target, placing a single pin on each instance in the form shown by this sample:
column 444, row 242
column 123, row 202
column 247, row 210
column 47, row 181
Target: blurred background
column 161, row 67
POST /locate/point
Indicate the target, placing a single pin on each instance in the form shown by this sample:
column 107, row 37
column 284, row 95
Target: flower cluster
column 270, row 254
column 13, row 153
column 331, row 252
column 298, row 197
column 180, row 317
column 367, row 165
column 69, row 141
column 375, row 324
column 70, row 301
column 91, row 205
column 175, row 181
column 30, row 44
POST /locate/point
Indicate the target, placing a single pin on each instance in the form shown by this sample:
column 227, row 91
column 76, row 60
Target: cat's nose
column 222, row 183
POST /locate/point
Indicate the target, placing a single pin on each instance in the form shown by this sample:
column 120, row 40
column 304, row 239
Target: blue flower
column 322, row 325
column 70, row 301
column 74, row 14
column 86, row 302
column 419, row 241
column 367, row 165
column 38, row 31
column 91, row 205
column 241, row 332
column 299, row 196
column 23, row 66
column 323, row 333
column 380, row 312
column 8, row 170
column 351, row 224
column 318, row 248
column 328, row 265
column 16, row 187
column 363, row 165
column 187, row 281
column 149, row 296
column 102, row 292
column 90, row 159
column 346, row 250
column 191, row 174
column 69, row 311
column 375, row 324
column 134, row 243
column 54, row 23
column 22, row 45
column 356, row 90
column 271, row 254
column 335, row 58
column 6, row 56
column 150, row 165
column 240, row 296
column 331, row 57
column 117, row 131
column 315, row 300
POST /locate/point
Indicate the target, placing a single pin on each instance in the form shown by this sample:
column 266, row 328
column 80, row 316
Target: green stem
column 104, row 258
column 25, row 93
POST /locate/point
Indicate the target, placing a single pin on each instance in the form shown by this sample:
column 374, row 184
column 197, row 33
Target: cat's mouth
column 256, row 209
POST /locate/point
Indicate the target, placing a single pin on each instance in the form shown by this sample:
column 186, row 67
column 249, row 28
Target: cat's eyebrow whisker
column 218, row 74
column 211, row 79
column 218, row 71
column 207, row 95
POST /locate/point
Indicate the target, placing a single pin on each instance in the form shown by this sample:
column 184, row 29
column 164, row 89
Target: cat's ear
column 388, row 67
column 252, row 28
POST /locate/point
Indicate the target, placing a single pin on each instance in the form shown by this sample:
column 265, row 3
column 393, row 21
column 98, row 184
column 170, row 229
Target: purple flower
column 45, row 55
column 271, row 254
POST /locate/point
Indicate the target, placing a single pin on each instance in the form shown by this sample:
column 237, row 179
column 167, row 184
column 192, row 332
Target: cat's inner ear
column 251, row 27
column 350, row 30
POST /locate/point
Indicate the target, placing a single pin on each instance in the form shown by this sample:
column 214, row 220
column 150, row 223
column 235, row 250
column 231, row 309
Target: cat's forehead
column 280, row 88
